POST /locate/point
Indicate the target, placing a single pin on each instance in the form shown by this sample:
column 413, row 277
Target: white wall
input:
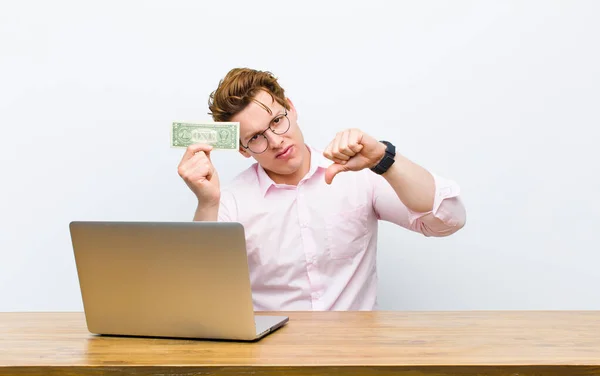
column 502, row 96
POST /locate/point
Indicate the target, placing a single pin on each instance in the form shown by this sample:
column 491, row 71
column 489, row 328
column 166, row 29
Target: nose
column 275, row 140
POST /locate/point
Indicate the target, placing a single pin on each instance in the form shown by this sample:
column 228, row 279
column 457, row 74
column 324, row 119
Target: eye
column 253, row 138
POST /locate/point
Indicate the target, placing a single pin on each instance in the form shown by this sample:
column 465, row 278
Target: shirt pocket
column 347, row 232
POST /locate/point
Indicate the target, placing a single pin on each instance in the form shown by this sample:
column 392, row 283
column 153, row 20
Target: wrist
column 207, row 205
column 206, row 212
column 381, row 148
column 388, row 152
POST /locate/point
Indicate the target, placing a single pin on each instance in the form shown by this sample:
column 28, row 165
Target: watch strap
column 388, row 159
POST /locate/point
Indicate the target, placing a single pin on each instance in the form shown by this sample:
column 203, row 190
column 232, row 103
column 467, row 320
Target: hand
column 352, row 150
column 200, row 175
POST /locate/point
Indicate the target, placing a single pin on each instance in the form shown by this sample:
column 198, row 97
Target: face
column 286, row 157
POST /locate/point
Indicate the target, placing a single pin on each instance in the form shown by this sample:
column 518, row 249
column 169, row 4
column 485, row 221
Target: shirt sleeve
column 447, row 216
column 227, row 207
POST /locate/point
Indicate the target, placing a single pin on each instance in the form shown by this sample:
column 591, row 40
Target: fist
column 352, row 150
column 200, row 175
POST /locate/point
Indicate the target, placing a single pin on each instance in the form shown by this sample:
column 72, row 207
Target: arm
column 198, row 172
column 406, row 194
column 413, row 184
column 224, row 211
column 431, row 211
column 210, row 213
column 446, row 215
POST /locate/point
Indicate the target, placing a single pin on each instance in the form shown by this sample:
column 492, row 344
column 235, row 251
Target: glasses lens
column 281, row 125
column 258, row 145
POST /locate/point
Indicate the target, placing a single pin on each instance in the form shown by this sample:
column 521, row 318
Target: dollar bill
column 221, row 135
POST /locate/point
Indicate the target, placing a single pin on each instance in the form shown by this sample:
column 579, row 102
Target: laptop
column 167, row 279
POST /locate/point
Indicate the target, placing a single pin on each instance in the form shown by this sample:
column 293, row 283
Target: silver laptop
column 167, row 279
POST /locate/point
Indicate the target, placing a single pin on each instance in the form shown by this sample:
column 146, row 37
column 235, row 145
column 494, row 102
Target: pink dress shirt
column 313, row 246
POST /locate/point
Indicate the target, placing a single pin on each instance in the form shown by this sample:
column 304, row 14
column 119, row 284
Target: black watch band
column 388, row 159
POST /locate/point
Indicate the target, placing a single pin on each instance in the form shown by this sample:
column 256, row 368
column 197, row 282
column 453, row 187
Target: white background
column 501, row 96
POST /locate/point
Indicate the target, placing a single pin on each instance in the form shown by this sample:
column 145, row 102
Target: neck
column 293, row 179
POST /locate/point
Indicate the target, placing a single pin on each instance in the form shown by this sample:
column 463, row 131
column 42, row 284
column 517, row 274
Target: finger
column 344, row 148
column 327, row 153
column 196, row 167
column 201, row 173
column 336, row 148
column 195, row 161
column 203, row 166
column 332, row 171
column 195, row 148
column 354, row 139
column 199, row 157
column 210, row 171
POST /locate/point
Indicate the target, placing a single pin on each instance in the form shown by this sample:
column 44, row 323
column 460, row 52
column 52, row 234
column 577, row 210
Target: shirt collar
column 317, row 161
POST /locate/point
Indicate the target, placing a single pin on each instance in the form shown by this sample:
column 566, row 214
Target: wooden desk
column 349, row 343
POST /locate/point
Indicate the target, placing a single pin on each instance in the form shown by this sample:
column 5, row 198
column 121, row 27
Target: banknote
column 221, row 135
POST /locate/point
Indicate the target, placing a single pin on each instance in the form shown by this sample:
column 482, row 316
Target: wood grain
column 349, row 343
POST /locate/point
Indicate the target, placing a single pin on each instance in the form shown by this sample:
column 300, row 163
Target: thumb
column 207, row 151
column 332, row 171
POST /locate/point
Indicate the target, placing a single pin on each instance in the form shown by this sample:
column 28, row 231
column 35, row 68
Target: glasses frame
column 262, row 134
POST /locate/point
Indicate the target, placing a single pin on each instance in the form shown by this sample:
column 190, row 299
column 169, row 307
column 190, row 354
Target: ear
column 244, row 152
column 292, row 107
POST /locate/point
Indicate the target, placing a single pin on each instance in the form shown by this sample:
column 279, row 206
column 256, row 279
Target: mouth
column 286, row 152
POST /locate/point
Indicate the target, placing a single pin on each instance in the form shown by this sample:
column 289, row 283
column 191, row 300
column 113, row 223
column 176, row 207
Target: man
column 311, row 226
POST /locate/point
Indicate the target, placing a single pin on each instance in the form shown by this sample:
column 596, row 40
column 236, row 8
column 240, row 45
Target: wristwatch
column 388, row 159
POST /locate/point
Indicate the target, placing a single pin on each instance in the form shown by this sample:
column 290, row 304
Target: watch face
column 387, row 161
column 391, row 149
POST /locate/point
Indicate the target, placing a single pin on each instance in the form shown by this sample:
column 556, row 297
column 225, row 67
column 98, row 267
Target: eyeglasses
column 259, row 142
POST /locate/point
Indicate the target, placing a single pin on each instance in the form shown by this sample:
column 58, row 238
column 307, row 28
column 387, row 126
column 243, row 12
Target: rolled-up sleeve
column 447, row 216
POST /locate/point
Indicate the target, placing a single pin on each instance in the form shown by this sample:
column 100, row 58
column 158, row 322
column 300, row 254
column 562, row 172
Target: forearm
column 206, row 214
column 413, row 184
